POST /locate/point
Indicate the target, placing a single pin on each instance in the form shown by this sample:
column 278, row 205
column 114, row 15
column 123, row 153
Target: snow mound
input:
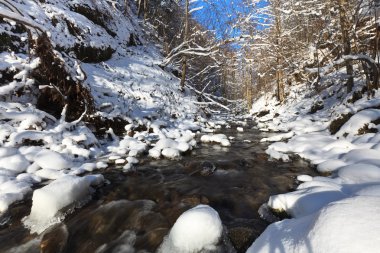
column 12, row 191
column 172, row 149
column 217, row 138
column 48, row 159
column 358, row 121
column 305, row 201
column 16, row 163
column 51, row 202
column 349, row 225
column 196, row 230
column 171, row 153
column 359, row 173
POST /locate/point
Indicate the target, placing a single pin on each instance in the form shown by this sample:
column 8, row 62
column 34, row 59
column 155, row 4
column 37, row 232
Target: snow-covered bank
column 339, row 134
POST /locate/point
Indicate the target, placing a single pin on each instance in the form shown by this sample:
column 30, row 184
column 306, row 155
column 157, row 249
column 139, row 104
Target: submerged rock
column 241, row 238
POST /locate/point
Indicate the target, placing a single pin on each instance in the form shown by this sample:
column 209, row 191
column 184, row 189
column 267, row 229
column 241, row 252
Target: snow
column 171, row 153
column 359, row 173
column 304, row 178
column 12, row 191
column 52, row 201
column 16, row 163
column 196, row 230
column 48, row 159
column 170, row 148
column 216, row 138
column 155, row 153
column 305, row 201
column 335, row 212
column 348, row 225
column 359, row 120
column 278, row 137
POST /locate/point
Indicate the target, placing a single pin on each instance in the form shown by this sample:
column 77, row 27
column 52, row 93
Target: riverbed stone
column 241, row 238
column 54, row 240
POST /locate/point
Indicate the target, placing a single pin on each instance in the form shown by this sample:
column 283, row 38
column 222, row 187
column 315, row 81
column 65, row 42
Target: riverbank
column 337, row 133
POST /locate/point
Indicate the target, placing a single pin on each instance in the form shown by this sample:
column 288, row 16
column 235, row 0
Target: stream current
column 135, row 211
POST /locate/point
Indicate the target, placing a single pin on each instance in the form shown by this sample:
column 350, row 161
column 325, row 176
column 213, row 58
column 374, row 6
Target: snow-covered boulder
column 48, row 159
column 358, row 121
column 52, row 201
column 170, row 148
column 17, row 163
column 217, row 138
column 196, row 230
column 12, row 191
column 171, row 153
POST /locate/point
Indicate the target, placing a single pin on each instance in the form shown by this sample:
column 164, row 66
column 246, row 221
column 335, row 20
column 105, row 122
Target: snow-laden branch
column 20, row 19
column 213, row 98
column 359, row 57
column 212, row 102
column 196, row 9
column 199, row 51
column 63, row 125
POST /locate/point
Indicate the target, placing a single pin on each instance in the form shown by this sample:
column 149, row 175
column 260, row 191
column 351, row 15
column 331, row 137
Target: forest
column 189, row 126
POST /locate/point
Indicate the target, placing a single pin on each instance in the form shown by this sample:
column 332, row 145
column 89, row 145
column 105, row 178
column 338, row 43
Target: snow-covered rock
column 358, row 121
column 217, row 138
column 171, row 153
column 196, row 230
column 17, row 163
column 12, row 191
column 48, row 159
column 51, row 202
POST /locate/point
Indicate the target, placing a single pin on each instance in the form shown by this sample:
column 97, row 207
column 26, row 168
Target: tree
column 185, row 41
column 346, row 41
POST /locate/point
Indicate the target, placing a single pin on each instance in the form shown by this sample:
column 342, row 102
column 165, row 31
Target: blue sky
column 219, row 15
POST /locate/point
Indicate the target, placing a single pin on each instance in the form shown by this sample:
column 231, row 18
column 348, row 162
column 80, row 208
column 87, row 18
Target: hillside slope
column 82, row 88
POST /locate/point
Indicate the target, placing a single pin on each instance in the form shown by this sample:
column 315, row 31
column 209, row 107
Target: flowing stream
column 136, row 210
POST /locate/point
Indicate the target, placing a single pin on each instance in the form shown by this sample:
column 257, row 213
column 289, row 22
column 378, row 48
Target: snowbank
column 348, row 225
column 333, row 213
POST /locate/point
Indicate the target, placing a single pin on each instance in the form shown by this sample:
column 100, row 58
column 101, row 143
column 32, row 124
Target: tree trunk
column 280, row 85
column 140, row 8
column 279, row 67
column 185, row 39
column 346, row 43
column 146, row 9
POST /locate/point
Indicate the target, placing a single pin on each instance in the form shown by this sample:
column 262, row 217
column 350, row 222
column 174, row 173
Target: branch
column 20, row 19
